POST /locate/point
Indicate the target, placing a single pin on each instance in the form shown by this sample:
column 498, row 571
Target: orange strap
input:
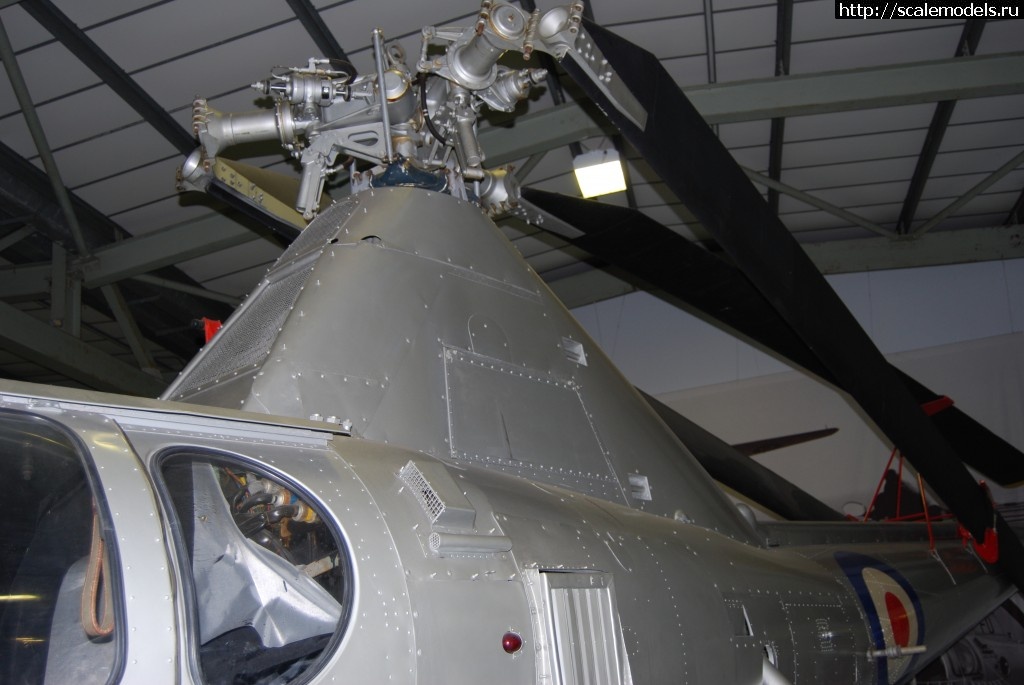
column 97, row 620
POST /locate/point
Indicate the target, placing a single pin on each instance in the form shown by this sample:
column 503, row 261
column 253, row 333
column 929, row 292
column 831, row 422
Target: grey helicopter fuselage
column 595, row 591
column 492, row 483
column 410, row 320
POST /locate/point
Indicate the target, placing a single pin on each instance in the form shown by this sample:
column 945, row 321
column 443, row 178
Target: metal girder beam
column 130, row 330
column 65, row 294
column 943, row 247
column 590, row 285
column 523, row 172
column 1016, row 215
column 930, row 149
column 540, row 132
column 152, row 251
column 23, row 282
column 134, row 256
column 16, row 236
column 75, row 40
column 775, row 140
column 325, row 41
column 58, row 284
column 40, row 343
column 72, row 322
column 936, row 132
column 709, row 41
column 963, row 78
column 25, row 188
column 113, row 296
column 783, row 43
column 190, row 289
column 952, row 207
column 28, row 110
column 817, row 202
column 948, row 79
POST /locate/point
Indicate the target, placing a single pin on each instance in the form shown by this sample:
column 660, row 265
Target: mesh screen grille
column 319, row 232
column 249, row 335
column 425, row 495
column 247, row 340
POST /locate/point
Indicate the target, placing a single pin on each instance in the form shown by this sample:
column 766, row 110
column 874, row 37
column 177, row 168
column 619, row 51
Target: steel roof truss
column 936, row 131
column 783, row 43
column 83, row 47
column 314, row 24
column 809, row 199
column 16, row 236
column 46, row 346
column 952, row 207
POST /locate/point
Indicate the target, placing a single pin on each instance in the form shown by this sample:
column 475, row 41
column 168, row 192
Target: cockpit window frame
column 107, row 531
column 182, row 558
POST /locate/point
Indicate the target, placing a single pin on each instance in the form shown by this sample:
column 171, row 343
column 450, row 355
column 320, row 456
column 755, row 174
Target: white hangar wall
column 958, row 329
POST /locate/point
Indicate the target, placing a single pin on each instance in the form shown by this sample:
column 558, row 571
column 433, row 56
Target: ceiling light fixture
column 599, row 172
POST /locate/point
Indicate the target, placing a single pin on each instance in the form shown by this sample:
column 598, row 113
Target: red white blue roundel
column 892, row 608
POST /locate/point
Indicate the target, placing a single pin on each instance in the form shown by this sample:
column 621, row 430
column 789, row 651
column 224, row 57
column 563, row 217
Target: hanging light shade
column 599, row 172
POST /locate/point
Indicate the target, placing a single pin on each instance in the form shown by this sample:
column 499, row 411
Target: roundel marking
column 891, row 607
column 892, row 604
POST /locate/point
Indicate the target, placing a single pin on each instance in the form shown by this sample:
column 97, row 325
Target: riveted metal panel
column 487, row 338
column 491, row 410
column 821, row 637
column 472, row 616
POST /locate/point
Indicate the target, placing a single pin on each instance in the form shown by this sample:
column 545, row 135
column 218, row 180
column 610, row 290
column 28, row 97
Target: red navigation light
column 511, row 642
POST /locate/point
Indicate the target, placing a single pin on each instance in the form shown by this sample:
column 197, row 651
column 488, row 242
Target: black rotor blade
column 684, row 151
column 731, row 467
column 660, row 259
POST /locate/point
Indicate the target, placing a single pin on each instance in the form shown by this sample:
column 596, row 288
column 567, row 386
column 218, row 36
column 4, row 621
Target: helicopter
column 402, row 460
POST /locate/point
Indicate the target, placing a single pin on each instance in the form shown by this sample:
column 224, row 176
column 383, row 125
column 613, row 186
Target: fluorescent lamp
column 19, row 598
column 599, row 172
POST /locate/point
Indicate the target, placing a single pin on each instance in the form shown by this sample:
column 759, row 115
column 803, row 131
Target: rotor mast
column 414, row 129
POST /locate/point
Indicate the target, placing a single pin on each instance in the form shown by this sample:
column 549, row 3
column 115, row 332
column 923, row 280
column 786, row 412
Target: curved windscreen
column 269, row 574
